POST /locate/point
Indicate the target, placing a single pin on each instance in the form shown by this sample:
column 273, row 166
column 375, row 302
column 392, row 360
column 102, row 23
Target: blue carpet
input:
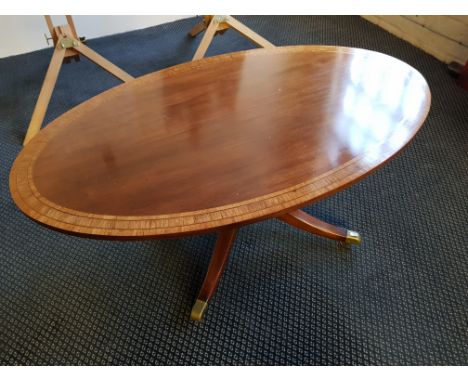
column 286, row 297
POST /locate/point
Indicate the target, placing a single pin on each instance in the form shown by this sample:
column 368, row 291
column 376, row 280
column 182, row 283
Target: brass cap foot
column 198, row 310
column 353, row 237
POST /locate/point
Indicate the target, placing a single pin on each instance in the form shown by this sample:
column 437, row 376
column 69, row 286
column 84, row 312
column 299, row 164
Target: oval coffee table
column 218, row 143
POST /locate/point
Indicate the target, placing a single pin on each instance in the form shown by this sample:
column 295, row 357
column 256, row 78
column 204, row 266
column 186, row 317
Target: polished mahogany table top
column 226, row 140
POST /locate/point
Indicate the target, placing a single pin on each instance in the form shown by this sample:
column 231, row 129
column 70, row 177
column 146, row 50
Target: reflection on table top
column 225, row 140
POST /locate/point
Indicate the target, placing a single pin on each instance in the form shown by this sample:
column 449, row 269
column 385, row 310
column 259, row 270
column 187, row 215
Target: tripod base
column 227, row 236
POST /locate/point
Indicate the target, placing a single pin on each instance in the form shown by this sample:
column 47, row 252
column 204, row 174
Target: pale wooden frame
column 221, row 23
column 61, row 51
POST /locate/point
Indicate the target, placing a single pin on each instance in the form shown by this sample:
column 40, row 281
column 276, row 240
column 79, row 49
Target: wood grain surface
column 219, row 142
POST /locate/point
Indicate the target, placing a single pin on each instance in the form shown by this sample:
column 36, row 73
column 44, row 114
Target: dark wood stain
column 229, row 129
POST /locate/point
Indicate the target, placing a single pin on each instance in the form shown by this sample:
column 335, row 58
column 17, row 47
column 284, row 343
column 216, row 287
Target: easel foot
column 197, row 29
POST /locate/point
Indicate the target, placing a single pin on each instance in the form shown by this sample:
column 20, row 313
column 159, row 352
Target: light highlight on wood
column 275, row 130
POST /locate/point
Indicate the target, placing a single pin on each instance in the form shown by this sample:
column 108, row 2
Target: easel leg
column 308, row 223
column 197, row 29
column 248, row 33
column 215, row 270
column 221, row 23
column 45, row 94
column 48, row 21
column 71, row 24
column 205, row 42
column 102, row 62
column 67, row 45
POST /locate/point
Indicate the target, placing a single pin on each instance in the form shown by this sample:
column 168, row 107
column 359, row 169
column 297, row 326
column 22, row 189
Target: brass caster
column 353, row 237
column 198, row 310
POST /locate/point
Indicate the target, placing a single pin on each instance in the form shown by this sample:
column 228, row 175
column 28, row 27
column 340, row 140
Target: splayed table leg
column 215, row 270
column 308, row 223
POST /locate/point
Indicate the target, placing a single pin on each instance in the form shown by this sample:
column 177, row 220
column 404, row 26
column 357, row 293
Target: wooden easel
column 218, row 25
column 67, row 45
